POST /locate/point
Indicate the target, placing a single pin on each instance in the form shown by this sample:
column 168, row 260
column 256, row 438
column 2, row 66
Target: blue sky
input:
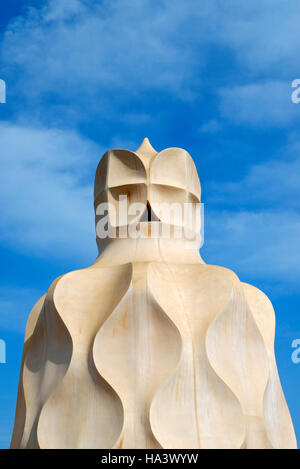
column 212, row 77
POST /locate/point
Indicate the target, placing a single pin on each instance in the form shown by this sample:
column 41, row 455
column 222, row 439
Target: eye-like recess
column 127, row 202
column 117, row 168
column 174, row 206
column 124, row 168
column 174, row 167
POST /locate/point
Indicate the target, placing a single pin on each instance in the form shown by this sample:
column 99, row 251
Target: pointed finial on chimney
column 146, row 149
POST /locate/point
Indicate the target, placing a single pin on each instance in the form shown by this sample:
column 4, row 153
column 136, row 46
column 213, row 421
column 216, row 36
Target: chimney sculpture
column 150, row 347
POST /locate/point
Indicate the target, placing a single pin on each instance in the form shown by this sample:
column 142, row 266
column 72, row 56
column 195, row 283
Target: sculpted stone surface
column 150, row 347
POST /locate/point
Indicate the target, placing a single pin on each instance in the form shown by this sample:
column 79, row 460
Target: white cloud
column 263, row 34
column 91, row 52
column 81, row 50
column 46, row 200
column 257, row 244
column 263, row 104
column 46, row 191
column 274, row 183
column 258, row 234
column 15, row 306
column 210, row 127
column 121, row 46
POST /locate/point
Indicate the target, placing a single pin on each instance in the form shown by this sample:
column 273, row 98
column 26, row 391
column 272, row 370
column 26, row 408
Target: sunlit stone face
column 136, row 188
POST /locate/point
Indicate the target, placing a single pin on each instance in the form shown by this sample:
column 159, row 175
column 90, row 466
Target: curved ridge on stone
column 194, row 408
column 277, row 418
column 20, row 417
column 84, row 293
column 236, row 351
column 210, row 359
column 149, row 347
column 136, row 349
column 45, row 363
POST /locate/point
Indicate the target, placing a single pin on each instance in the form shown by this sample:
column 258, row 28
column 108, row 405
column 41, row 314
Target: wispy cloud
column 15, row 306
column 263, row 245
column 79, row 59
column 46, row 191
column 210, row 127
column 262, row 34
column 265, row 104
column 83, row 49
column 253, row 225
column 213, row 76
column 274, row 184
column 78, row 51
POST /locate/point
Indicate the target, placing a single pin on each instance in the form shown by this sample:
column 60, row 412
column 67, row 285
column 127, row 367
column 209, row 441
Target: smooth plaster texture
column 150, row 347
